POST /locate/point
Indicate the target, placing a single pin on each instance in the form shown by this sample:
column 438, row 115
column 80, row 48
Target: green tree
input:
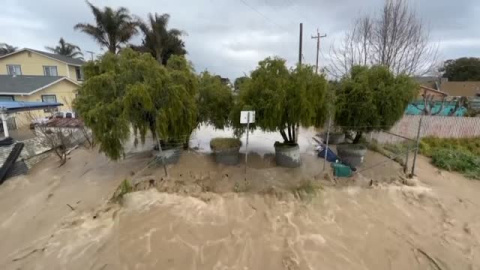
column 371, row 99
column 6, row 49
column 462, row 69
column 67, row 49
column 160, row 41
column 133, row 90
column 215, row 101
column 283, row 99
column 112, row 27
column 238, row 82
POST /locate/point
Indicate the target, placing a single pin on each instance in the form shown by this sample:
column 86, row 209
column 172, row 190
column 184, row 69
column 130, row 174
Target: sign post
column 247, row 117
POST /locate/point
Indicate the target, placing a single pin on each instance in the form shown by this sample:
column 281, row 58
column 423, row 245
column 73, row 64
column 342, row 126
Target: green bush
column 429, row 144
column 124, row 188
column 224, row 143
column 462, row 161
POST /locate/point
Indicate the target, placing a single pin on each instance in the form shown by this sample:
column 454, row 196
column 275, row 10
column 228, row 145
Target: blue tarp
column 412, row 110
column 331, row 156
column 18, row 106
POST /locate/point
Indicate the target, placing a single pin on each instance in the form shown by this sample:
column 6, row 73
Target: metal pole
column 5, row 125
column 163, row 157
column 418, row 144
column 405, row 167
column 328, row 138
column 246, row 146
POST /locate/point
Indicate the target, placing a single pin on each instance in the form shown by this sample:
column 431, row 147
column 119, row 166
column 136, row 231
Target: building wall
column 432, row 126
column 65, row 93
column 32, row 64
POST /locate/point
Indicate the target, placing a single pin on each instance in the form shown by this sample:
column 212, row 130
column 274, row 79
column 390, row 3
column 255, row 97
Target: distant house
column 431, row 93
column 461, row 89
column 31, row 75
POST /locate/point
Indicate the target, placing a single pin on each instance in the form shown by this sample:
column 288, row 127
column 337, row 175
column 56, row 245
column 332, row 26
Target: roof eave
column 33, row 51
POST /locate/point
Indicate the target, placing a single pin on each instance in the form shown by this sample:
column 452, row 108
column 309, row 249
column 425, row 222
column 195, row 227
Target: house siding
column 33, row 63
column 65, row 92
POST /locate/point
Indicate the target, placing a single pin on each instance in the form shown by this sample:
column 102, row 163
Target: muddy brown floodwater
column 201, row 217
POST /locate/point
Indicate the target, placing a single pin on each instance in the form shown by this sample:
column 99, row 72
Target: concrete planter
column 227, row 156
column 287, row 155
column 352, row 154
column 226, row 150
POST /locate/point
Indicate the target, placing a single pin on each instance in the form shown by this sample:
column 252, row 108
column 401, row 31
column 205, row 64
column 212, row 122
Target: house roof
column 58, row 57
column 27, row 85
column 433, row 91
column 463, row 89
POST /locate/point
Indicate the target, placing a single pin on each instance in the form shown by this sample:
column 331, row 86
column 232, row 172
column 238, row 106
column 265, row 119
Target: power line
column 262, row 15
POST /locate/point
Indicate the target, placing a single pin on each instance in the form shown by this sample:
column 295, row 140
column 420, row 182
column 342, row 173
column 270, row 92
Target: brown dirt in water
column 200, row 222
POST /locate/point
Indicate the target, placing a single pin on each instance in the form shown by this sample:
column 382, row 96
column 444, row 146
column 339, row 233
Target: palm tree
column 6, row 49
column 67, row 49
column 113, row 27
column 160, row 41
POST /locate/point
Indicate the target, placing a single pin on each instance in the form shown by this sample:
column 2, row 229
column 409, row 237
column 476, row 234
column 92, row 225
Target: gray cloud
column 229, row 37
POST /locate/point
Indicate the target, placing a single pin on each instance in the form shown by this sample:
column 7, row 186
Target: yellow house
column 31, row 75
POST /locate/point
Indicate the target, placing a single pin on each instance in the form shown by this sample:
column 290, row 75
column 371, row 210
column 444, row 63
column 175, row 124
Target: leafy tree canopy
column 160, row 41
column 372, row 98
column 6, row 48
column 133, row 90
column 239, row 81
column 283, row 99
column 215, row 100
column 67, row 49
column 112, row 28
column 462, row 69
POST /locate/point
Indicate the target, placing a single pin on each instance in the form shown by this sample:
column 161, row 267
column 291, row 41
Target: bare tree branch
column 396, row 38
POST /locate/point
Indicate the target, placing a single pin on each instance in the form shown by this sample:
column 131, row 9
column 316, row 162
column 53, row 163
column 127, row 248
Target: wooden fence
column 436, row 126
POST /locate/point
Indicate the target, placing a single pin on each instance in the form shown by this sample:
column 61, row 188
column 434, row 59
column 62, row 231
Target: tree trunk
column 284, row 136
column 289, row 132
column 357, row 137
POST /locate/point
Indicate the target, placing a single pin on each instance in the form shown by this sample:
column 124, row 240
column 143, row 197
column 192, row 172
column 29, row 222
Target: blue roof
column 18, row 106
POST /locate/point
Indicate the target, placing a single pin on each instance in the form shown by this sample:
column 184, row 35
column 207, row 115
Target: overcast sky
column 229, row 37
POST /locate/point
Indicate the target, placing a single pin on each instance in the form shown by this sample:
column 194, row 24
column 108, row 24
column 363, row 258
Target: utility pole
column 300, row 45
column 91, row 54
column 318, row 37
column 297, row 128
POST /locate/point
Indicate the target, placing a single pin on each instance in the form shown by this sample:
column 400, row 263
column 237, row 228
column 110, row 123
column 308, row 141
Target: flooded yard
column 206, row 216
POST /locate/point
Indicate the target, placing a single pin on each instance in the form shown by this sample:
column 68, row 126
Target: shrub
column 429, row 144
column 282, row 99
column 371, row 99
column 133, row 90
column 462, row 161
column 124, row 188
column 215, row 101
column 224, row 143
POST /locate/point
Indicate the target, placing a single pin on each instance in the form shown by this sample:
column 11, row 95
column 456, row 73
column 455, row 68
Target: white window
column 14, row 69
column 50, row 70
column 49, row 98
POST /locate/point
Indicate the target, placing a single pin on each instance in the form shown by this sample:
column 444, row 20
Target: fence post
column 405, row 167
column 326, row 146
column 160, row 151
column 418, row 144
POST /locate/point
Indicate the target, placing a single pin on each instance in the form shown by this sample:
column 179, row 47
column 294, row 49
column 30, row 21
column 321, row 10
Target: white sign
column 244, row 117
